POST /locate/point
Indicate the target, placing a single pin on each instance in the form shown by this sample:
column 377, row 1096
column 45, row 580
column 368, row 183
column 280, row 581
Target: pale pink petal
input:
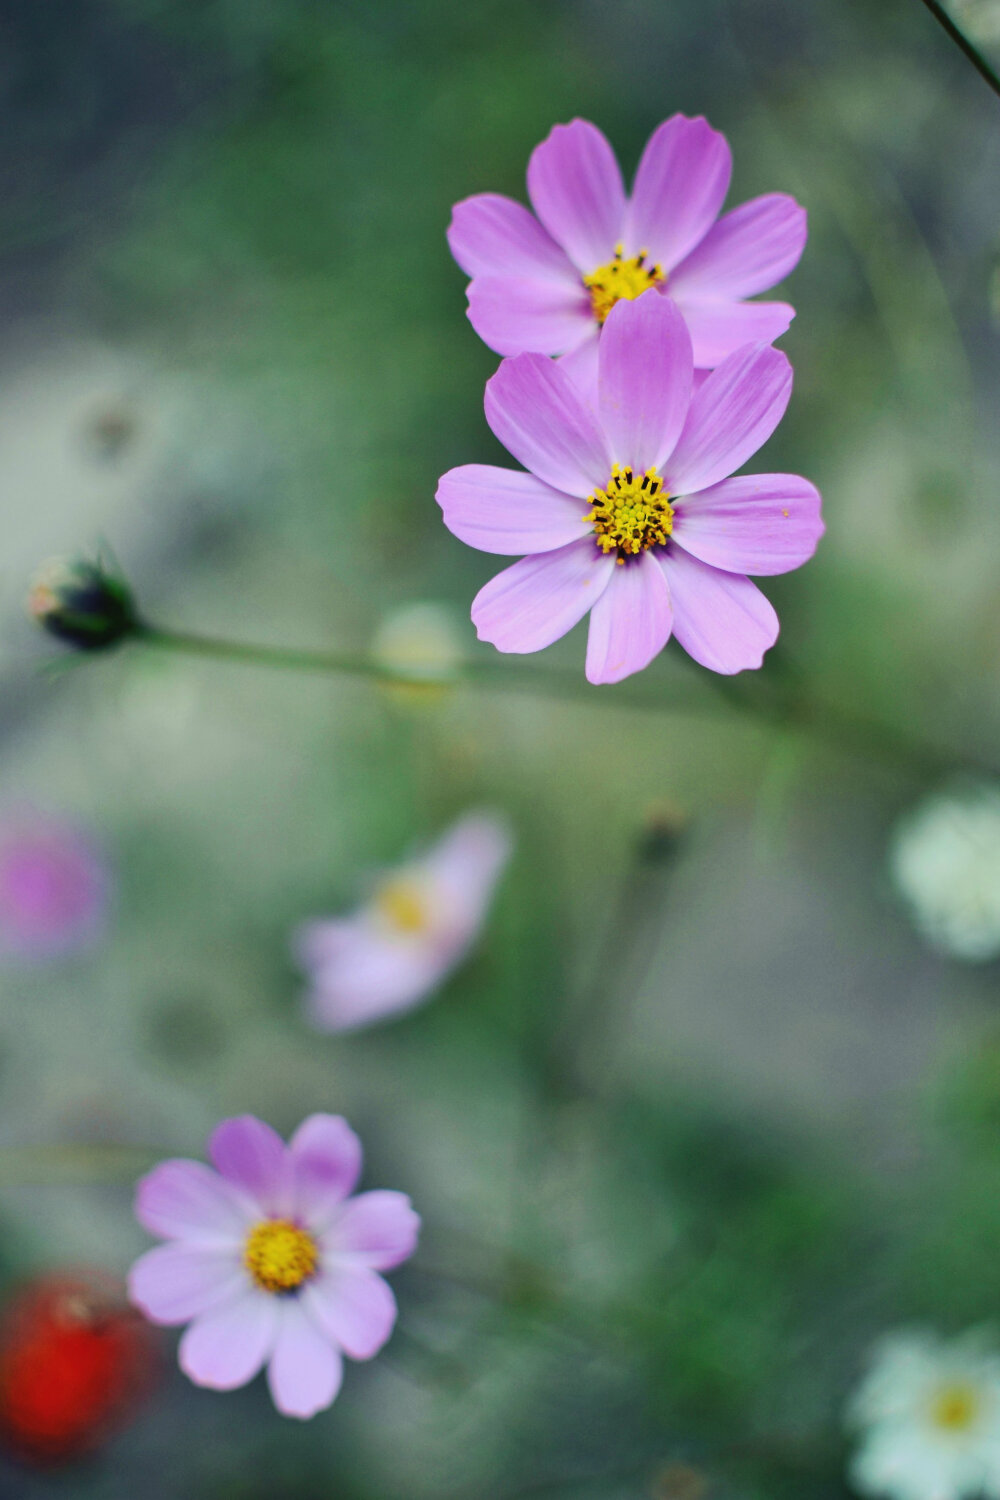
column 538, row 414
column 373, row 978
column 719, row 329
column 721, row 619
column 521, row 314
column 680, row 186
column 250, row 1154
column 533, row 603
column 305, row 1371
column 176, row 1282
column 187, row 1200
column 757, row 523
column 630, row 623
column 469, row 858
column 380, row 1229
column 732, row 414
column 490, row 235
column 507, row 511
column 580, row 364
column 353, row 1307
column 321, row 941
column 326, row 1164
column 576, row 189
column 226, row 1346
column 749, row 250
column 644, row 379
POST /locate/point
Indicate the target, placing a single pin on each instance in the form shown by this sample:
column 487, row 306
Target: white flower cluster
column 945, row 862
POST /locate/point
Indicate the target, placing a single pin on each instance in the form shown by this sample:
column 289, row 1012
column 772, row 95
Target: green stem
column 958, row 36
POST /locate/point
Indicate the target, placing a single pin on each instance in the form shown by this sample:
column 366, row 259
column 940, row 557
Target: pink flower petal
column 326, row 1164
column 522, row 314
column 748, row 250
column 630, row 623
column 732, row 414
column 252, row 1155
column 538, row 414
column 507, row 511
column 379, row 1228
column 757, row 523
column 580, row 364
column 721, row 619
column 374, row 977
column 176, row 1282
column 305, row 1372
column 644, row 379
column 353, row 1307
column 469, row 858
column 490, row 235
column 719, row 329
column 680, row 186
column 187, row 1200
column 226, row 1346
column 576, row 190
column 533, row 603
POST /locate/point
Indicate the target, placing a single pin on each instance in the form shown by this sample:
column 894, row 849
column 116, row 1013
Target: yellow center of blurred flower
column 955, row 1407
column 280, row 1256
column 620, row 278
column 632, row 514
column 403, row 905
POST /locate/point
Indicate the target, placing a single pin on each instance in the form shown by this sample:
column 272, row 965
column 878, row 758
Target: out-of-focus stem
column 960, row 39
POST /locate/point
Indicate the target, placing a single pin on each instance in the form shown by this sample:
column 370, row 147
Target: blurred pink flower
column 417, row 927
column 628, row 510
column 270, row 1261
column 54, row 886
column 545, row 285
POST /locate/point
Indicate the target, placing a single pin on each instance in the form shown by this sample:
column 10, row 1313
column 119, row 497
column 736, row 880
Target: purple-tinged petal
column 749, row 250
column 533, row 603
column 719, row 329
column 320, row 942
column 353, row 1307
column 576, row 189
column 226, row 1346
column 644, row 379
column 630, row 623
column 490, row 235
column 524, row 315
column 250, row 1154
column 326, row 1164
column 721, row 619
column 507, row 511
column 732, row 414
column 468, row 860
column 373, row 978
column 305, row 1371
column 540, row 417
column 185, row 1200
column 177, row 1282
column 580, row 364
column 757, row 523
column 378, row 1229
column 680, row 186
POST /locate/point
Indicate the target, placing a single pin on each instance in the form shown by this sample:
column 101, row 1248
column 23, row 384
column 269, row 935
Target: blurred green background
column 235, row 351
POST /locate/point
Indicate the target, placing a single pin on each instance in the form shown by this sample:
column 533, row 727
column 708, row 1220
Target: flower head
column 269, row 1260
column 945, row 862
column 628, row 510
column 928, row 1418
column 83, row 604
column 54, row 887
column 420, row 645
column 546, row 284
column 418, row 925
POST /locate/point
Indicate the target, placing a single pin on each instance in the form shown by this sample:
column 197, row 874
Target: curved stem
column 958, row 36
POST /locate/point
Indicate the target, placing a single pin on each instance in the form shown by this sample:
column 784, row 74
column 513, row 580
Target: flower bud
column 81, row 603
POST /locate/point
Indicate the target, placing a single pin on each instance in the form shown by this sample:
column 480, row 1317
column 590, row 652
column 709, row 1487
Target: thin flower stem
column 958, row 36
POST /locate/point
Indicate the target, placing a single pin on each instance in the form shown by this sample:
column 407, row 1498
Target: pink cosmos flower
column 545, row 285
column 269, row 1260
column 419, row 924
column 54, row 887
column 628, row 509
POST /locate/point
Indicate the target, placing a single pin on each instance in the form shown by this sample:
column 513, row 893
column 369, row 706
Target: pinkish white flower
column 270, row 1261
column 418, row 925
column 545, row 284
column 628, row 509
column 54, row 887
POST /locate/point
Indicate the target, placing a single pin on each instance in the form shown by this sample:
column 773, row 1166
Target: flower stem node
column 83, row 604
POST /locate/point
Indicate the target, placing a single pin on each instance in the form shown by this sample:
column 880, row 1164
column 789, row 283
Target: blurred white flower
column 928, row 1419
column 418, row 925
column 945, row 862
column 420, row 643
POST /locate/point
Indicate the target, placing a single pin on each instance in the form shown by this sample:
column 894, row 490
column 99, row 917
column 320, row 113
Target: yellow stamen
column 956, row 1407
column 632, row 514
column 620, row 278
column 403, row 905
column 279, row 1255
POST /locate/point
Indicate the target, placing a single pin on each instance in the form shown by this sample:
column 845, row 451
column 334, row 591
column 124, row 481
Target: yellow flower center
column 955, row 1407
column 632, row 514
column 279, row 1255
column 403, row 905
column 620, row 278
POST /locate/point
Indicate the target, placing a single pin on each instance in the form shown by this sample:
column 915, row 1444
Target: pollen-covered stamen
column 620, row 278
column 956, row 1407
column 280, row 1256
column 632, row 514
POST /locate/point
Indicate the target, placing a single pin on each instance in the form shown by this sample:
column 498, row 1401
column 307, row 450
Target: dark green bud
column 83, row 604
